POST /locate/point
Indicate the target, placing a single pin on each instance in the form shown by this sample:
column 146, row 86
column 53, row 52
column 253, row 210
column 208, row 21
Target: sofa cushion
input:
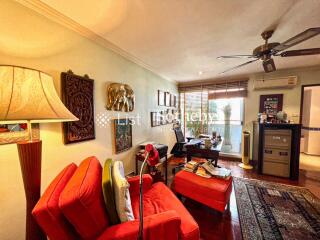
column 82, row 202
column 47, row 212
column 159, row 198
column 122, row 194
column 108, row 192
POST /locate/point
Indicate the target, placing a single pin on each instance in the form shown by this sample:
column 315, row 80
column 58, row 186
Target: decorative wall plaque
column 120, row 97
column 77, row 95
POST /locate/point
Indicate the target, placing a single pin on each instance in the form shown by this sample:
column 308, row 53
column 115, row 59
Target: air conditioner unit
column 282, row 82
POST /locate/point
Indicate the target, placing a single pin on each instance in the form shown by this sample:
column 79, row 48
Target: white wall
column 311, row 118
column 28, row 39
column 291, row 97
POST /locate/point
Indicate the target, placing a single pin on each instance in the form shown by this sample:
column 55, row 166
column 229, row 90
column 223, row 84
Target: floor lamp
column 28, row 95
column 152, row 158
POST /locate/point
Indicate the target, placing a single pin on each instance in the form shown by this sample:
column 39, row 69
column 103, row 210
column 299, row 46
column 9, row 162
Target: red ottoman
column 212, row 192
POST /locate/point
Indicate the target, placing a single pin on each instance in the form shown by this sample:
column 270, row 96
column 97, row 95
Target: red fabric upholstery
column 82, row 202
column 213, row 192
column 164, row 225
column 158, row 199
column 47, row 211
column 135, row 186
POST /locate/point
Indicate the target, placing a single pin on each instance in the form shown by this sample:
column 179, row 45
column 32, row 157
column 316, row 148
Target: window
column 214, row 108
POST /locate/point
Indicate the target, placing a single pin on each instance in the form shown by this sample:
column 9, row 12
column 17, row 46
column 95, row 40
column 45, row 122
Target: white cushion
column 121, row 192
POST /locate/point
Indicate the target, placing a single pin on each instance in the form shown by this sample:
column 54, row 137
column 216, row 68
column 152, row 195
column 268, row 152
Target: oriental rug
column 276, row 211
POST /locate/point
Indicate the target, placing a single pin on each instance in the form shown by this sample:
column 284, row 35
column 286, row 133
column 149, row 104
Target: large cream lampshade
column 28, row 95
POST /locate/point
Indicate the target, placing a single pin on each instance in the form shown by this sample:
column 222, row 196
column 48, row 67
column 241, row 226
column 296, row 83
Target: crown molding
column 54, row 15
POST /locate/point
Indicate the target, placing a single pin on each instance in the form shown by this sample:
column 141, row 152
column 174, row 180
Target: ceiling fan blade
column 241, row 65
column 237, row 56
column 300, row 52
column 309, row 33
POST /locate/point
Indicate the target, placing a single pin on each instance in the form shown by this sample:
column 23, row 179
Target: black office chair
column 179, row 149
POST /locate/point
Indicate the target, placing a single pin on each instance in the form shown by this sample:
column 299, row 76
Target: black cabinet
column 279, row 150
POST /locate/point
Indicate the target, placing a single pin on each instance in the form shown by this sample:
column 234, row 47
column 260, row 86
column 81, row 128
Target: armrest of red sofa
column 134, row 183
column 165, row 225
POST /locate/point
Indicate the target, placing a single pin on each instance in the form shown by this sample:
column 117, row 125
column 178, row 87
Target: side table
column 140, row 157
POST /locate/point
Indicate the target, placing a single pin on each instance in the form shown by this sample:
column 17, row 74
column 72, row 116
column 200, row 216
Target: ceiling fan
column 266, row 51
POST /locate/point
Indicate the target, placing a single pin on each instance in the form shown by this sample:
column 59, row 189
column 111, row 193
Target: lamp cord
column 140, row 235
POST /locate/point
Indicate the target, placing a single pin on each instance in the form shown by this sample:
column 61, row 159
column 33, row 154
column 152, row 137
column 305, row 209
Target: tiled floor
column 309, row 162
column 227, row 226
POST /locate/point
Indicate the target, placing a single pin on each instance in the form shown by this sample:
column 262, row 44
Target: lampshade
column 29, row 95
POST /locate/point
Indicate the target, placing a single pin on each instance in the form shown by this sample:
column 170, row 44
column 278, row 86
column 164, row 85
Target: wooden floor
column 214, row 225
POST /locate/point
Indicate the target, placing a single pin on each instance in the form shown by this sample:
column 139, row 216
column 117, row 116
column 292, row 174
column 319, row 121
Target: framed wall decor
column 154, row 119
column 271, row 104
column 122, row 135
column 77, row 95
column 120, row 97
column 162, row 118
column 172, row 100
column 167, row 99
column 161, row 98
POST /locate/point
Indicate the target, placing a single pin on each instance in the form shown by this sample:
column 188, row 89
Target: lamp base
column 245, row 166
column 30, row 162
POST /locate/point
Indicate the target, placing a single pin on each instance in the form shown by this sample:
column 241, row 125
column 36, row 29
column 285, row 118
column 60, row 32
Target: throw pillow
column 108, row 192
column 122, row 195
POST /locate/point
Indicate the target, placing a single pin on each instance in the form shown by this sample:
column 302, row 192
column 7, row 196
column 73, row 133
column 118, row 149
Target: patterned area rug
column 276, row 211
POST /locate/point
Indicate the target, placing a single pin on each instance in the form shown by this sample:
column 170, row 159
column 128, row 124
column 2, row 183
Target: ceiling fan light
column 268, row 65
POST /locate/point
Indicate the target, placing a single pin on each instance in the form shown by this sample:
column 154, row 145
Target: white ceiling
column 180, row 38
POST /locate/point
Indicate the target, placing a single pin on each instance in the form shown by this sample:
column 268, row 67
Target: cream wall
column 311, row 118
column 30, row 40
column 291, row 97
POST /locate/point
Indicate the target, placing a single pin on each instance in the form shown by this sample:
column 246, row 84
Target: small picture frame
column 162, row 118
column 154, row 119
column 172, row 100
column 271, row 104
column 161, row 98
column 167, row 99
column 122, row 135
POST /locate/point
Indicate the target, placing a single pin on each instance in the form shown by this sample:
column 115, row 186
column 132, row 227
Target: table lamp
column 28, row 95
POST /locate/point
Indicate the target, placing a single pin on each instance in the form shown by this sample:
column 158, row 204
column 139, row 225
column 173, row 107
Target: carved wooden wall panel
column 77, row 95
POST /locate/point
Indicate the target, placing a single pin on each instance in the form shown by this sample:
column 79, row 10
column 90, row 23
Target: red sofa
column 72, row 208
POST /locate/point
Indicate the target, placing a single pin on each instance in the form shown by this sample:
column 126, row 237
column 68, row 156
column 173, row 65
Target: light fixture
column 28, row 95
column 200, row 72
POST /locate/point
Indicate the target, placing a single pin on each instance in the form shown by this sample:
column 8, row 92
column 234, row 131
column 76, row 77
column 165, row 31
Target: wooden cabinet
column 279, row 147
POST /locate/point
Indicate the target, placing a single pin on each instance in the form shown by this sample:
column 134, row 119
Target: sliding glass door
column 226, row 118
column 215, row 110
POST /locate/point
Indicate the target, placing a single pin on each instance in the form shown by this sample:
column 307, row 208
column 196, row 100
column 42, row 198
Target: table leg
column 189, row 157
column 137, row 166
column 216, row 162
column 166, row 169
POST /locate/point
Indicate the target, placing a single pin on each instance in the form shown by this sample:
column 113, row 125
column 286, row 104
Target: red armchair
column 164, row 215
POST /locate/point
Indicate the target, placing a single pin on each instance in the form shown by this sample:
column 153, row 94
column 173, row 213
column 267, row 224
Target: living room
column 187, row 81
